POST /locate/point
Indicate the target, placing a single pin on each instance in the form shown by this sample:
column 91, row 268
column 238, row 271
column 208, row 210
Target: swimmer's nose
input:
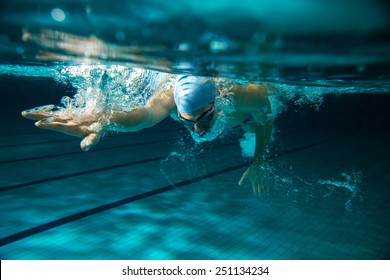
column 199, row 130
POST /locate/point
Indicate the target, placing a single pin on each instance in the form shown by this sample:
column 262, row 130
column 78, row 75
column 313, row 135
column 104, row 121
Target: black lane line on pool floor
column 91, row 151
column 37, row 132
column 60, row 177
column 75, row 139
column 71, row 218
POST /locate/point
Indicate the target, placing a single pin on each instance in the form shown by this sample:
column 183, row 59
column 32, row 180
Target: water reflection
column 62, row 46
column 312, row 42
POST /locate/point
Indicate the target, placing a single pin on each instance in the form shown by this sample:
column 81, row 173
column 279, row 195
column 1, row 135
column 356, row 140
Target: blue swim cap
column 192, row 93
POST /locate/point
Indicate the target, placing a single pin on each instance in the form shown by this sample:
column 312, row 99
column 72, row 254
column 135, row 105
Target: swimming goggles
column 203, row 119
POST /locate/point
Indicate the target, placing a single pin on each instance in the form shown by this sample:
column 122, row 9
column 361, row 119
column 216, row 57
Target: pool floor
column 152, row 195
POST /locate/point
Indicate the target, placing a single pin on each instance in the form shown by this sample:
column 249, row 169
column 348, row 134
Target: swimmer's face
column 199, row 121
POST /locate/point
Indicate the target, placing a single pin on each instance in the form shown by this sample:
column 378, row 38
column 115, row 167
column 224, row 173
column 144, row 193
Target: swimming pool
column 156, row 194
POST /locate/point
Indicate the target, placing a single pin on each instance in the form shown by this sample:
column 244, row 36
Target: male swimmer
column 196, row 101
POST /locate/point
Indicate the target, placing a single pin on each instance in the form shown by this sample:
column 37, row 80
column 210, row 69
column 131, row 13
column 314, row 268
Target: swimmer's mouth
column 202, row 133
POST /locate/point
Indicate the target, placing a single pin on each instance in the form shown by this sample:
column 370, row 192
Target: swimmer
column 195, row 102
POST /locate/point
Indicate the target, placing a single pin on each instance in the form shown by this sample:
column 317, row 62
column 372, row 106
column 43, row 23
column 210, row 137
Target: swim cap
column 192, row 93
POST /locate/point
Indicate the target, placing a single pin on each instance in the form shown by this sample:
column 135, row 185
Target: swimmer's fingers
column 255, row 189
column 262, row 188
column 89, row 141
column 39, row 113
column 90, row 138
column 63, row 126
column 243, row 177
column 258, row 180
column 36, row 116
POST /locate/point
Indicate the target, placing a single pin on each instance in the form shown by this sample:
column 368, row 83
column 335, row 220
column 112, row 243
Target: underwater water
column 160, row 194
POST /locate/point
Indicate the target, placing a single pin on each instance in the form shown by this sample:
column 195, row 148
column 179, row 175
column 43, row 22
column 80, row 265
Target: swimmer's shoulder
column 163, row 97
column 250, row 96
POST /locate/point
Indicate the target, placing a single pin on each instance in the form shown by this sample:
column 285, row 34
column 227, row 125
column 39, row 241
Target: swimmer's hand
column 87, row 128
column 258, row 177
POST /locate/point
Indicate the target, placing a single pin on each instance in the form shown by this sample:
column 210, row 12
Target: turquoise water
column 157, row 194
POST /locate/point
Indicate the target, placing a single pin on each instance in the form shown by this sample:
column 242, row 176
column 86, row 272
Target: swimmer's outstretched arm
column 158, row 108
column 91, row 128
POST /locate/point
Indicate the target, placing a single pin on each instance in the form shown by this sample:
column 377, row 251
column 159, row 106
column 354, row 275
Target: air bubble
column 58, row 15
